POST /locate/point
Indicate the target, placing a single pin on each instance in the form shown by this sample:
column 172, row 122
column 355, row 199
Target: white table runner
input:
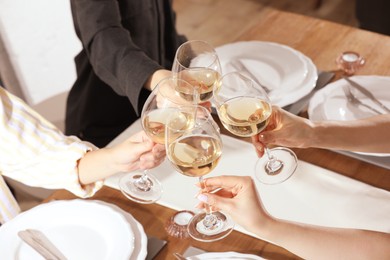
column 312, row 195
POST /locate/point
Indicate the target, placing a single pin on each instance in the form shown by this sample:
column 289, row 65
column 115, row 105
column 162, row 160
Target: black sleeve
column 115, row 58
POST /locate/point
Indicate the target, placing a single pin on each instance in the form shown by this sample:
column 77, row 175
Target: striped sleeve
column 35, row 152
column 9, row 207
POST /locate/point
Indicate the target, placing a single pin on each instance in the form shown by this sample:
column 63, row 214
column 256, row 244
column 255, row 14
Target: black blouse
column 124, row 42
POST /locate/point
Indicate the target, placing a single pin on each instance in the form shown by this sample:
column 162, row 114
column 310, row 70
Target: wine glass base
column 131, row 186
column 289, row 165
column 198, row 231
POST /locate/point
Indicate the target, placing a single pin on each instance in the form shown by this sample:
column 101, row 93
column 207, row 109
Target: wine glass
column 142, row 186
column 197, row 63
column 244, row 110
column 195, row 152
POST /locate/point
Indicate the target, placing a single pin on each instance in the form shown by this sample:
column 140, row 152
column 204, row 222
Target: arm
column 112, row 49
column 238, row 195
column 137, row 152
column 364, row 135
column 36, row 153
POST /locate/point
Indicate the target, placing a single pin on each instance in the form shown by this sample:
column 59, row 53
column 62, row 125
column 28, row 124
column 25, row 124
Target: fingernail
column 261, row 137
column 202, row 197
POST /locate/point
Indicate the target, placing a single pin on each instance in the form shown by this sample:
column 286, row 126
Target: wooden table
column 322, row 41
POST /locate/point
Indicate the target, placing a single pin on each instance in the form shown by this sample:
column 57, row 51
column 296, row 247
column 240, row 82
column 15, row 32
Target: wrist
column 111, row 165
column 265, row 228
column 310, row 133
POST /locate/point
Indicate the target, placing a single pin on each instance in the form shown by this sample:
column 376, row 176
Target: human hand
column 156, row 77
column 137, row 152
column 284, row 129
column 173, row 92
column 237, row 196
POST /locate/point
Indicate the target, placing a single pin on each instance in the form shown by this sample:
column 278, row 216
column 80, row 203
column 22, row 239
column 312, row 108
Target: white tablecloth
column 312, row 195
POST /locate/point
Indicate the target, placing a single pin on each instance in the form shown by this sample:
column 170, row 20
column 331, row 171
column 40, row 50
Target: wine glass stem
column 274, row 165
column 203, row 185
column 143, row 183
column 210, row 221
column 269, row 155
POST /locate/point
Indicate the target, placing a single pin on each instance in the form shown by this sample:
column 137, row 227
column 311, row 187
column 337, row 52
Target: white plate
column 225, row 255
column 290, row 74
column 330, row 103
column 80, row 229
column 140, row 238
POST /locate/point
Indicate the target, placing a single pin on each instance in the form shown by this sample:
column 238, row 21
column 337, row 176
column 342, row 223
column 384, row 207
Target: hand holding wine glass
column 245, row 109
column 143, row 187
column 197, row 63
column 195, row 151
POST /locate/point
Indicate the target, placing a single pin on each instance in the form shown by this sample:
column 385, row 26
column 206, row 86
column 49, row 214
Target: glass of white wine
column 197, row 63
column 244, row 110
column 143, row 187
column 195, row 152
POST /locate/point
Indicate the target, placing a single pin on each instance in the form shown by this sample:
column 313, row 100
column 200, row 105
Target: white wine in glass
column 143, row 187
column 245, row 116
column 195, row 152
column 244, row 110
column 189, row 156
column 197, row 63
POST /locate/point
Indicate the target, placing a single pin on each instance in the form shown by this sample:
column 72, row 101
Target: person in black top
column 128, row 46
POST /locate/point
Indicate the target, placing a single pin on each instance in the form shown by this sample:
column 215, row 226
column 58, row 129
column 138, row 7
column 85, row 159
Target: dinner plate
column 80, row 229
column 140, row 238
column 288, row 73
column 330, row 103
column 225, row 255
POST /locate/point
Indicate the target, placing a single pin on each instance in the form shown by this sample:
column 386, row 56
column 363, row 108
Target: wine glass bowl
column 143, row 187
column 244, row 109
column 197, row 63
column 194, row 151
column 160, row 104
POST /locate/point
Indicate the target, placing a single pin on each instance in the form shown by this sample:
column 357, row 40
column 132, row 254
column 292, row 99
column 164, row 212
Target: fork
column 356, row 102
column 179, row 256
column 237, row 64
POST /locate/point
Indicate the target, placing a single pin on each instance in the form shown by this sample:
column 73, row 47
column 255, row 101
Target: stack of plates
column 330, row 103
column 80, row 229
column 288, row 73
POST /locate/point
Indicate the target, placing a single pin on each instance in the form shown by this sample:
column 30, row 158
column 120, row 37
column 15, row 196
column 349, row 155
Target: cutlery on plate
column 191, row 251
column 38, row 241
column 323, row 79
column 367, row 93
column 179, row 256
column 356, row 102
column 240, row 67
